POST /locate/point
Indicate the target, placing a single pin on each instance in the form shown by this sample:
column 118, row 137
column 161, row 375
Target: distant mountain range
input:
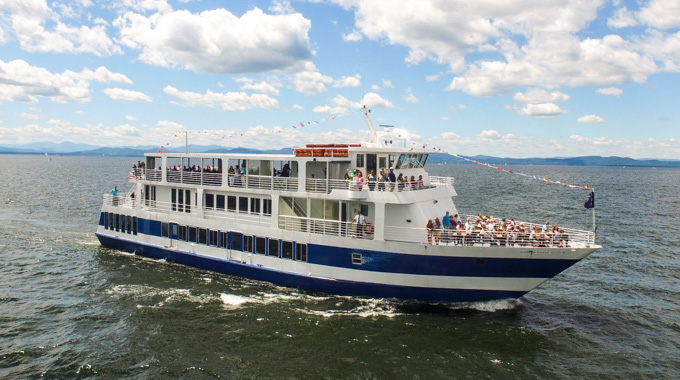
column 74, row 149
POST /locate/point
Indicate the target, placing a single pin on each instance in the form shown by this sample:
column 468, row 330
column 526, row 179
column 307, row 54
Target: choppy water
column 72, row 309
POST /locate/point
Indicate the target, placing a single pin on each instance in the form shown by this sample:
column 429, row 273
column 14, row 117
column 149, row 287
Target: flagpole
column 594, row 224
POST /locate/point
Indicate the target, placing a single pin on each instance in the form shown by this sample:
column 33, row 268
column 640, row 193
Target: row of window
column 241, row 204
column 236, row 241
column 120, row 223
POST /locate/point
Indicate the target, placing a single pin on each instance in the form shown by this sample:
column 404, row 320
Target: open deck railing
column 316, row 185
column 324, row 227
column 571, row 238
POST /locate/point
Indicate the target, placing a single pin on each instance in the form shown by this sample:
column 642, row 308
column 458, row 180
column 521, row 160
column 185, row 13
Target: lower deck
column 340, row 265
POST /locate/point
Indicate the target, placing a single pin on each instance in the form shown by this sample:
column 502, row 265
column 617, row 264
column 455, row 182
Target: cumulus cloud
column 298, row 107
column 352, row 36
column 230, row 101
column 353, row 81
column 610, row 91
column 409, row 97
column 130, row 118
column 265, row 87
column 38, row 28
column 341, row 106
column 127, row 95
column 21, row 82
column 373, row 100
column 590, row 119
column 217, row 41
column 540, row 103
column 495, row 49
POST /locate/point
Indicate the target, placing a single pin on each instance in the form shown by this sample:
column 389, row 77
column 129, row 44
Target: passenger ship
column 287, row 219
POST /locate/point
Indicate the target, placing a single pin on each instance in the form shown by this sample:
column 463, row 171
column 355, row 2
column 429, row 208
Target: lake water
column 70, row 308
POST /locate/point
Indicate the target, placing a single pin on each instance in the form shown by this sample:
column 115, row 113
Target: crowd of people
column 487, row 229
column 384, row 181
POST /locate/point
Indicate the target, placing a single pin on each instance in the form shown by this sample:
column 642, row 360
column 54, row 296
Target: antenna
column 374, row 136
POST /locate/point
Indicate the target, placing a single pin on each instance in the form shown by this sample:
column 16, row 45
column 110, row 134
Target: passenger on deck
column 420, row 182
column 285, row 171
column 429, row 227
column 382, row 178
column 392, row 179
column 414, row 184
column 437, row 230
column 371, row 180
column 359, row 220
column 400, row 181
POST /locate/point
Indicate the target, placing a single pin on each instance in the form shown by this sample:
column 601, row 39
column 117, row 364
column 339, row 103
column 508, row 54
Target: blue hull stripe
column 339, row 287
column 389, row 262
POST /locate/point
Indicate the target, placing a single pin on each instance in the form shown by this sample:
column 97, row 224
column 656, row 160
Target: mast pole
column 594, row 224
column 374, row 135
column 186, row 141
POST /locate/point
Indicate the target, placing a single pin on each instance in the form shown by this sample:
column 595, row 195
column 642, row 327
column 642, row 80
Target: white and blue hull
column 356, row 267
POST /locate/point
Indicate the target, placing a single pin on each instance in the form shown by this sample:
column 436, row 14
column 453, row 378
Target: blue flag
column 590, row 203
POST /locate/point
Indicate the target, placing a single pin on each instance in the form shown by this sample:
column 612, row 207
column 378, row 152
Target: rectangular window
column 164, row 230
column 231, row 203
column 180, row 200
column 254, row 205
column 123, row 220
column 173, row 199
column 111, row 221
column 274, row 247
column 174, row 231
column 360, row 160
column 106, row 220
column 267, row 206
column 134, row 225
column 192, row 234
column 202, row 236
column 220, row 202
column 236, row 241
column 129, row 224
column 243, row 204
column 247, row 244
column 357, row 259
column 224, row 236
column 182, row 233
column 209, row 201
column 261, row 245
column 286, row 249
column 300, row 252
column 213, row 238
column 187, row 200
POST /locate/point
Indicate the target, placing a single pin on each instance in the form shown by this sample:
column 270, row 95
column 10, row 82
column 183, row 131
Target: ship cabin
column 306, row 191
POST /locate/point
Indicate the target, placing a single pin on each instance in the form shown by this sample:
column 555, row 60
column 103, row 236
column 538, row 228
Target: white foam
column 491, row 306
column 235, row 301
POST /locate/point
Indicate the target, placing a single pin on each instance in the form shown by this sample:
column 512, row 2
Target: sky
column 508, row 78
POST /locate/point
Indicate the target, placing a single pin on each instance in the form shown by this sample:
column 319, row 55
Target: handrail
column 570, row 239
column 324, row 227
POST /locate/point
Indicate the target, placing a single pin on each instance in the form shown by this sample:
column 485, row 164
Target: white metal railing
column 264, row 220
column 441, row 181
column 316, row 185
column 325, row 227
column 263, row 182
column 146, row 174
column 571, row 238
column 194, row 178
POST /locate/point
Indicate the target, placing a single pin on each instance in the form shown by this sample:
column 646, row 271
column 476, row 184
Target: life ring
column 369, row 229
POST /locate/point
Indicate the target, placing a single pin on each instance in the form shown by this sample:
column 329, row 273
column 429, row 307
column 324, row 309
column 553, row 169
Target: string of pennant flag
column 311, row 123
column 471, row 160
column 246, row 134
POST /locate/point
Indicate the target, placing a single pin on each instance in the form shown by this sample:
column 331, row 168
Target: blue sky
column 506, row 78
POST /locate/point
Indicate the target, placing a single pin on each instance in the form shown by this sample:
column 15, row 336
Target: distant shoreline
column 435, row 158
